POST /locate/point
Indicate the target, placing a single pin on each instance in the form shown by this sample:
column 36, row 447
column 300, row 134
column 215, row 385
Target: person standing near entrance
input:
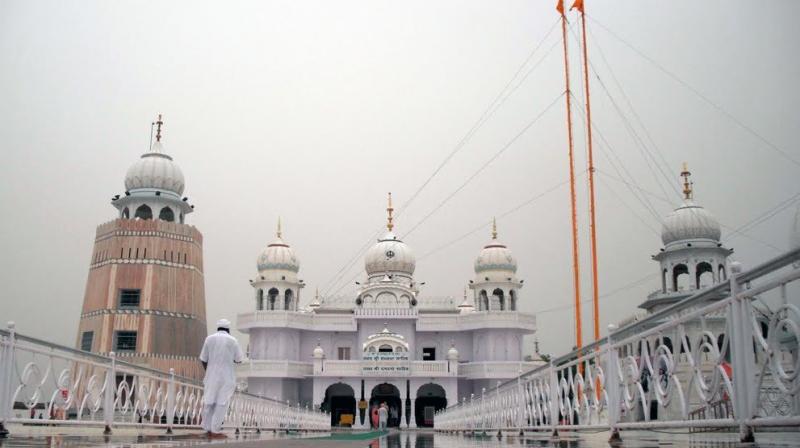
column 374, row 417
column 383, row 416
column 219, row 354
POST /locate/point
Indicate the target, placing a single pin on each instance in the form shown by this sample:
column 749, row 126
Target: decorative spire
column 279, row 232
column 390, row 210
column 494, row 228
column 687, row 183
column 159, row 122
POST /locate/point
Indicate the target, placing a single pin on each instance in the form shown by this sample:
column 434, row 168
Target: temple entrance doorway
column 389, row 394
column 430, row 398
column 340, row 401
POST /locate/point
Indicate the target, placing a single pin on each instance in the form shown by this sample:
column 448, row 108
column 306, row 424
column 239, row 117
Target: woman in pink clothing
column 374, row 416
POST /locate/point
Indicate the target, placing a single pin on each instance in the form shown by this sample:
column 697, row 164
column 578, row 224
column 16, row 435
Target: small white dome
column 318, row 352
column 390, row 255
column 155, row 169
column 690, row 222
column 278, row 255
column 452, row 354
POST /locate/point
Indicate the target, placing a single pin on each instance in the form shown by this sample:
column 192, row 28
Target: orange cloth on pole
column 578, row 4
column 560, row 7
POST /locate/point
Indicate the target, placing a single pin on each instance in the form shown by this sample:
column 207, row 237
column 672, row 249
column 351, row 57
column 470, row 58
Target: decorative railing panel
column 80, row 388
column 701, row 363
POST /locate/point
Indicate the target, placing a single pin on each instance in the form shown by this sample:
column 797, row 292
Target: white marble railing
column 295, row 319
column 273, row 369
column 386, row 313
column 477, row 320
column 727, row 363
column 87, row 389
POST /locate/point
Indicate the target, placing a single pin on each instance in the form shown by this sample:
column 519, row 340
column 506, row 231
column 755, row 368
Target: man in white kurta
column 220, row 352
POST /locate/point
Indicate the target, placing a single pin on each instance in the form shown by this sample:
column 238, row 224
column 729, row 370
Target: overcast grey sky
column 313, row 110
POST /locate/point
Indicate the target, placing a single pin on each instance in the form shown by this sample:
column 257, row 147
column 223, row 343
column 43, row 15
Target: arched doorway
column 430, row 398
column 389, row 394
column 340, row 400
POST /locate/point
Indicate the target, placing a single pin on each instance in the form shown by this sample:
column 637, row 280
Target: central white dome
column 690, row 222
column 156, row 170
column 390, row 255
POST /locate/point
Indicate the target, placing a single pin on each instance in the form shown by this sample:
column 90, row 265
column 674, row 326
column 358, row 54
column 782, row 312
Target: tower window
column 86, row 341
column 129, row 298
column 125, row 341
column 344, row 353
column 166, row 214
column 143, row 212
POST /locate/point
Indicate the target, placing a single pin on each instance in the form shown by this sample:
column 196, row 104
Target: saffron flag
column 560, row 7
column 578, row 4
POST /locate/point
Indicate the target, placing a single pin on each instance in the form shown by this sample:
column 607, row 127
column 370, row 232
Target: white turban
column 224, row 323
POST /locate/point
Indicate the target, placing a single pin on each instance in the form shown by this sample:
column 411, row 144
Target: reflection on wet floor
column 410, row 439
column 631, row 439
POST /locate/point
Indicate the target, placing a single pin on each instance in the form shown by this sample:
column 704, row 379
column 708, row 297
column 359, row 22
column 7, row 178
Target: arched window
column 512, row 301
column 680, row 278
column 260, row 301
column 143, row 212
column 721, row 275
column 664, row 281
column 500, row 298
column 704, row 275
column 483, row 301
column 166, row 214
column 126, row 213
column 181, row 218
column 385, row 348
column 272, row 296
column 288, row 298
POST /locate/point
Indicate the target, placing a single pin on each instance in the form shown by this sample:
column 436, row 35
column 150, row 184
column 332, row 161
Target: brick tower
column 145, row 295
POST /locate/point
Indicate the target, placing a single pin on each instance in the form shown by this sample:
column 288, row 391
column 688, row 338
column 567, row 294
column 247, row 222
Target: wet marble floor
column 402, row 439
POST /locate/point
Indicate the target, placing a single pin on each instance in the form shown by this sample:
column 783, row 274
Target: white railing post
column 554, row 399
column 522, row 402
column 6, row 378
column 612, row 387
column 742, row 356
column 108, row 393
column 170, row 400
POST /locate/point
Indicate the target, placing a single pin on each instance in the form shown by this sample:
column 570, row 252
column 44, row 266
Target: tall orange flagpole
column 592, row 223
column 575, row 266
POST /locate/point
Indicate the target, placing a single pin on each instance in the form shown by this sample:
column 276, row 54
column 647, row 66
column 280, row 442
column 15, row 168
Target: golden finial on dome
column 390, row 210
column 687, row 184
column 494, row 228
column 158, row 124
column 279, row 232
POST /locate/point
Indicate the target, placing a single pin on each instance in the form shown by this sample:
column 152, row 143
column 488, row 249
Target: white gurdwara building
column 387, row 344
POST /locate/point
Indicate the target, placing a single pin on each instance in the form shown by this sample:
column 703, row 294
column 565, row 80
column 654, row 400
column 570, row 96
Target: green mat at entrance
column 354, row 435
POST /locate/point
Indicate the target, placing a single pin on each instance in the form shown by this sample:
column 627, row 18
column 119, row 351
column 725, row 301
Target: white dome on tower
column 155, row 170
column 390, row 255
column 278, row 256
column 495, row 256
column 690, row 222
